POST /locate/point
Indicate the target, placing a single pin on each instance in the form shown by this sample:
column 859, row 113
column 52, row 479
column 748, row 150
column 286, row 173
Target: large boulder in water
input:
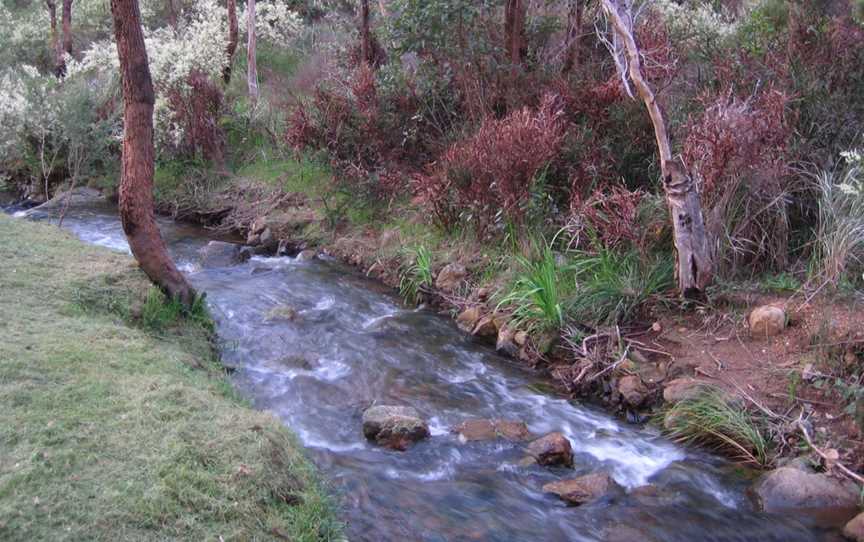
column 222, row 254
column 790, row 488
column 552, row 450
column 583, row 489
column 396, row 427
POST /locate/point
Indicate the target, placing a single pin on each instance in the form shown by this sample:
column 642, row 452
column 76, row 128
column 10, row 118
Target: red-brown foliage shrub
column 197, row 110
column 489, row 175
column 609, row 216
column 737, row 150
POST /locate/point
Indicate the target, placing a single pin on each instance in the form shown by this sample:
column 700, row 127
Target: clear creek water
column 353, row 343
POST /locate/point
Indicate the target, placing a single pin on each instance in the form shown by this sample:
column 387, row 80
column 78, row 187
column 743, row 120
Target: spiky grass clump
column 612, row 286
column 536, row 295
column 417, row 275
column 709, row 419
column 840, row 236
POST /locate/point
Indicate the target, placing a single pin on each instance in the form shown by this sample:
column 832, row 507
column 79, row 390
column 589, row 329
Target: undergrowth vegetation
column 712, row 419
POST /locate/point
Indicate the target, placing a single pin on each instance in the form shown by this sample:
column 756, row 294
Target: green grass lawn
column 116, row 421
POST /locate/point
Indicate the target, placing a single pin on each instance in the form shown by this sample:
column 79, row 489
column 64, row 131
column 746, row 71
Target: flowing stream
column 351, row 342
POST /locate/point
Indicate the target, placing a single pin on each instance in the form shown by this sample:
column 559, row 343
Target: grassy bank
column 117, row 422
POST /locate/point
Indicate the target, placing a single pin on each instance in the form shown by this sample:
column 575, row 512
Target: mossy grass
column 117, row 421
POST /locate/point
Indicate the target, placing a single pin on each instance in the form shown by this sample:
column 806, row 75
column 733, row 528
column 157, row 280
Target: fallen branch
column 845, row 470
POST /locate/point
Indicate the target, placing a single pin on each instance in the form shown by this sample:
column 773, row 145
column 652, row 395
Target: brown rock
column 680, row 389
column 486, row 328
column 396, row 427
column 467, row 319
column 767, row 321
column 632, row 390
column 552, row 450
column 306, row 255
column 520, row 338
column 787, row 488
column 583, row 489
column 474, row 430
column 451, row 277
column 506, row 343
column 854, row 530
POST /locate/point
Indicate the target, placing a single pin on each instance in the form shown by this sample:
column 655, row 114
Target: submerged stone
column 584, row 489
column 481, row 429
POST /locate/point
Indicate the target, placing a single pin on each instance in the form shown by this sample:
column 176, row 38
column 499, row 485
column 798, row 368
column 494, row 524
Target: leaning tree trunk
column 252, row 72
column 136, row 181
column 233, row 39
column 694, row 266
column 67, row 26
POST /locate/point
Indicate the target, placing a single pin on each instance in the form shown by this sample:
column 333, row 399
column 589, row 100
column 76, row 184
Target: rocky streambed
column 427, row 435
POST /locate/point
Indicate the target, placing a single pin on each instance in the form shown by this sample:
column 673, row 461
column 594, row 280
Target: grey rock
column 396, row 427
column 790, row 488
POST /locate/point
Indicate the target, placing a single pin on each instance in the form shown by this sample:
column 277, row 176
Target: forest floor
column 118, row 422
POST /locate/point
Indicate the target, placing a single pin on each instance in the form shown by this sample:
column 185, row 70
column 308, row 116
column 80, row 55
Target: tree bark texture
column 367, row 51
column 694, row 267
column 56, row 45
column 516, row 44
column 233, row 39
column 136, row 181
column 171, row 8
column 575, row 14
column 252, row 63
column 67, row 26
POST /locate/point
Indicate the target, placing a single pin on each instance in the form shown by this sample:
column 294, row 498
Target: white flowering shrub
column 197, row 45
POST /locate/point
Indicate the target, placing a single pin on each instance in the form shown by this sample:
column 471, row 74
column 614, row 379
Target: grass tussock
column 709, row 419
column 536, row 297
column 840, row 235
column 118, row 424
column 416, row 275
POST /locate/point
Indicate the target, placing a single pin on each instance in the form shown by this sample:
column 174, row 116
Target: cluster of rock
column 399, row 427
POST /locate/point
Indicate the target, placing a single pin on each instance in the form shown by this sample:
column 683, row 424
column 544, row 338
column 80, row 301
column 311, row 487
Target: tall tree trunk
column 514, row 31
column 171, row 8
column 252, row 72
column 694, row 266
column 574, row 35
column 136, row 181
column 67, row 26
column 382, row 5
column 56, row 46
column 367, row 52
column 233, row 38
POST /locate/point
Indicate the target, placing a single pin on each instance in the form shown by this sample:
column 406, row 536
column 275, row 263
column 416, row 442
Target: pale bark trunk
column 233, row 38
column 382, row 5
column 252, row 71
column 136, row 181
column 694, row 266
